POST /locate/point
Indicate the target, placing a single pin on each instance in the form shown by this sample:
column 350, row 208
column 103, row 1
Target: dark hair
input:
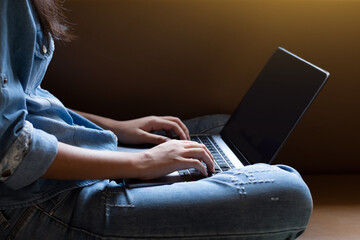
column 52, row 19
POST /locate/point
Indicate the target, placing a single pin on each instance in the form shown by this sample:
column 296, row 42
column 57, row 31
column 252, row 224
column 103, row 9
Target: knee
column 294, row 199
column 293, row 185
column 278, row 193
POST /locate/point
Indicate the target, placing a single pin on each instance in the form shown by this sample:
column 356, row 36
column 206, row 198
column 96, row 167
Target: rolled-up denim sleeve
column 28, row 157
column 25, row 152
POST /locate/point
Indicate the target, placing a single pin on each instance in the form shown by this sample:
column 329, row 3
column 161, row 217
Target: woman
column 49, row 156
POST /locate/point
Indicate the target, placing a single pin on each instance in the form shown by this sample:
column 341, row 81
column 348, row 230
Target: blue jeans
column 255, row 202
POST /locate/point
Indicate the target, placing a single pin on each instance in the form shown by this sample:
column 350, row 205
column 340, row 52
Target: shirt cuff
column 28, row 158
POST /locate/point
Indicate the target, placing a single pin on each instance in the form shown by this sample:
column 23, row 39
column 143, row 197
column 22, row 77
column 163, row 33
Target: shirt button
column 5, row 80
column 6, row 173
column 44, row 49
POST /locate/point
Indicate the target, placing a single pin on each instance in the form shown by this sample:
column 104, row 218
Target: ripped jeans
column 255, row 202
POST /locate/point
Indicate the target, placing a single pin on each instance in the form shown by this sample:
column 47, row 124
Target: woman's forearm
column 79, row 163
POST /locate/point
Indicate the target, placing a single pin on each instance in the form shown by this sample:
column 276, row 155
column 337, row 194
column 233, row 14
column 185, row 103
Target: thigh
column 259, row 201
column 255, row 202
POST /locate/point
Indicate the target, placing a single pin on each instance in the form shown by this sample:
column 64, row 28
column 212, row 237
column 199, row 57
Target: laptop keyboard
column 221, row 161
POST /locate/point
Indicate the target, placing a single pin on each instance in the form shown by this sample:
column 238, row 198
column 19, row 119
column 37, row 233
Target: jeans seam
column 19, row 224
column 68, row 226
column 107, row 193
column 59, row 203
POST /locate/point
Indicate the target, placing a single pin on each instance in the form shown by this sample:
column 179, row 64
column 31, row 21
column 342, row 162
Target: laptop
column 263, row 120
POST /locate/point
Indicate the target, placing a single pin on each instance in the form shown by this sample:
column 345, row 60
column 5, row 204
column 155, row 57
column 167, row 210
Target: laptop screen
column 272, row 107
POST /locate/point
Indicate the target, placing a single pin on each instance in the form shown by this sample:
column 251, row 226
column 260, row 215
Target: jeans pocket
column 50, row 206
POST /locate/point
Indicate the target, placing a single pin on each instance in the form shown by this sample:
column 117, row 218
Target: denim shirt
column 32, row 120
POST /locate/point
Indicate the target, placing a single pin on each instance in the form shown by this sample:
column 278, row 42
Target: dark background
column 187, row 58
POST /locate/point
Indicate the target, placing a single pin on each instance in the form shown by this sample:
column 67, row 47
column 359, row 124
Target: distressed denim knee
column 277, row 194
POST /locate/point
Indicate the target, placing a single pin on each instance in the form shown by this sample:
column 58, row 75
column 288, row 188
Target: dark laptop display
column 272, row 107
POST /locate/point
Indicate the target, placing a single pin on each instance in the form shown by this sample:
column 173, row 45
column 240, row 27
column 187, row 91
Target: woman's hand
column 80, row 163
column 174, row 155
column 139, row 131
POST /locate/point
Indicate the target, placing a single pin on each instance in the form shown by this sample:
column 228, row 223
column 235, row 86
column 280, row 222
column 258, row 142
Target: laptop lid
column 272, row 107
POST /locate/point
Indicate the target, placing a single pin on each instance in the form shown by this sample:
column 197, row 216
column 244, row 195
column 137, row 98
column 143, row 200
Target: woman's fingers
column 133, row 131
column 153, row 138
column 193, row 150
column 181, row 124
column 203, row 156
column 168, row 124
column 175, row 155
column 195, row 163
column 201, row 153
column 196, row 144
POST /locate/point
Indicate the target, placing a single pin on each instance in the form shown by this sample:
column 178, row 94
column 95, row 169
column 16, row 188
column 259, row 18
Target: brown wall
column 139, row 57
